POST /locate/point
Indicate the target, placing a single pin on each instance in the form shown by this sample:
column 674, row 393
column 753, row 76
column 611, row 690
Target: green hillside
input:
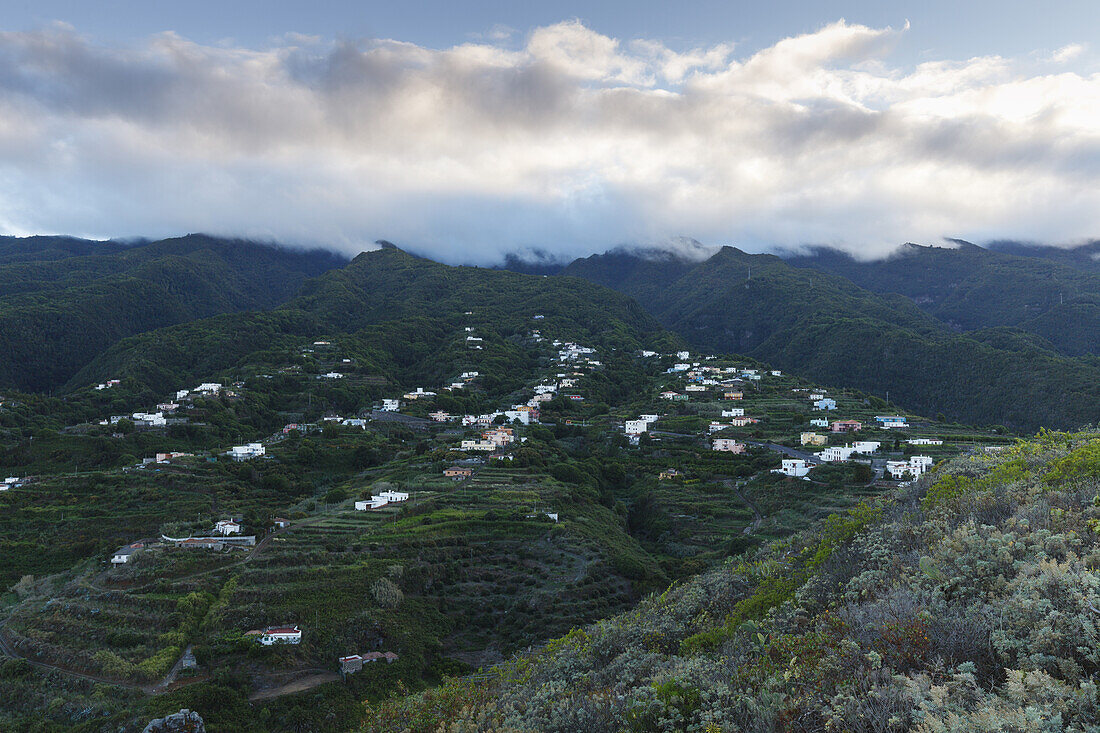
column 969, row 287
column 825, row 327
column 398, row 309
column 61, row 304
column 966, row 602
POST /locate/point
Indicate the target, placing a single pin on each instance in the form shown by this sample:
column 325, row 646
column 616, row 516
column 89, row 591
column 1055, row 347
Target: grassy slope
column 965, row 599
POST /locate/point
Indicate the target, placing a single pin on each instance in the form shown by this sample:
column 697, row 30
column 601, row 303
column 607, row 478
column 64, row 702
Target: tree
column 386, row 593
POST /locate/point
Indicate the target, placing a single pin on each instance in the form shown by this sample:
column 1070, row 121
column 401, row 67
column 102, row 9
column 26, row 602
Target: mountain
column 63, row 301
column 1085, row 256
column 399, row 312
column 970, row 287
column 825, row 326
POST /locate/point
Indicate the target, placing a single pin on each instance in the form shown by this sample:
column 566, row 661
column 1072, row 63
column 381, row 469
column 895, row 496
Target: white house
column 728, row 445
column 391, row 405
column 334, row 375
column 683, row 355
column 394, row 496
column 734, row 412
column 776, row 373
column 794, row 467
column 150, row 419
column 925, row 441
column 826, row 403
column 123, row 554
column 281, row 635
column 521, row 416
column 635, row 427
column 836, row 453
column 915, row 466
column 920, row 464
column 227, row 526
column 375, row 502
column 208, row 388
column 819, row 423
column 246, row 452
column 420, row 392
column 898, row 469
column 892, row 421
column 649, row 418
column 866, row 446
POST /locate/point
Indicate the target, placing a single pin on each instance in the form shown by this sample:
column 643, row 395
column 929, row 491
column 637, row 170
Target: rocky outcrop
column 185, row 721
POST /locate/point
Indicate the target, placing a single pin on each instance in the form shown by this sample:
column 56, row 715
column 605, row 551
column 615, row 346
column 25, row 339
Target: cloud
column 568, row 142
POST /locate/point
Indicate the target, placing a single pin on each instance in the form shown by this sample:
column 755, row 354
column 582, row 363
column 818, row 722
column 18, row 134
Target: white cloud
column 572, row 143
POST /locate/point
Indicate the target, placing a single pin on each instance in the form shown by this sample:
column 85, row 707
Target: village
column 723, row 454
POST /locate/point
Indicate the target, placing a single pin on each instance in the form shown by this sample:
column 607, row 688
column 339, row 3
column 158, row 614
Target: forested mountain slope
column 64, row 301
column 826, row 327
column 970, row 287
column 967, row 601
column 400, row 309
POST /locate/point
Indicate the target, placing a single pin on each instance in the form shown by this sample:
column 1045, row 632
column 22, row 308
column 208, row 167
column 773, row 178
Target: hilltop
column 63, row 301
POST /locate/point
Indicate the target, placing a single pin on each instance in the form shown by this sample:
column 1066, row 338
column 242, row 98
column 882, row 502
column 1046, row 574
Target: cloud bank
column 570, row 143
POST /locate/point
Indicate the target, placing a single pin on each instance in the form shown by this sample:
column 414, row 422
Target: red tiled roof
column 283, row 630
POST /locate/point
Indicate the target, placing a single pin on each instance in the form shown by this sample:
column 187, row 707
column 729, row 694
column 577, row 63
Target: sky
column 465, row 131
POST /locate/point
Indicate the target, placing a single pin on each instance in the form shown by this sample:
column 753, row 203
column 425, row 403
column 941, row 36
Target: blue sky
column 470, row 130
column 940, row 28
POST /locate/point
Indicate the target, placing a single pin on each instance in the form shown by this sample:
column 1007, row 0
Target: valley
column 416, row 475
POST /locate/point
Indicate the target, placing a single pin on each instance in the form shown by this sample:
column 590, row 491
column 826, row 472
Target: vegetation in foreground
column 969, row 601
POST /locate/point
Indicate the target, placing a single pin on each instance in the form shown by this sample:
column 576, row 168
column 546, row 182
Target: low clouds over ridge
column 571, row 143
